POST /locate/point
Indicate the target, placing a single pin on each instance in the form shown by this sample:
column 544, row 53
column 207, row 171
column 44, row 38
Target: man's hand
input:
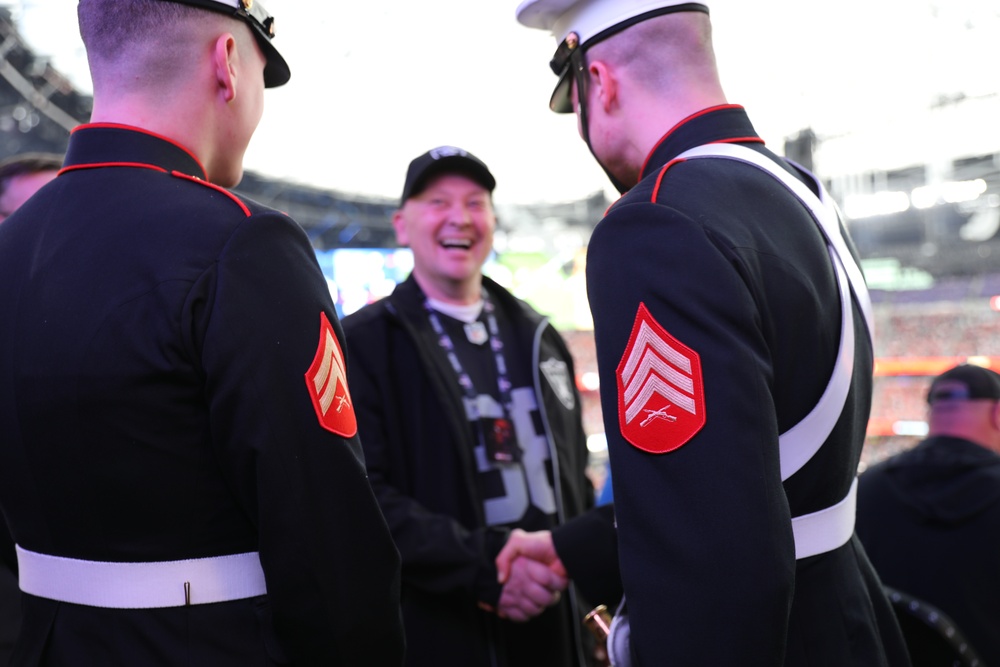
column 530, row 588
column 536, row 546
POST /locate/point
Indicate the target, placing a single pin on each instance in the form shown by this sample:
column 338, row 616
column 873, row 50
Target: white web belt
column 141, row 585
column 827, row 529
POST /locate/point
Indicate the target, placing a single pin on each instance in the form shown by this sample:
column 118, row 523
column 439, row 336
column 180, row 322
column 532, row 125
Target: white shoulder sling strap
column 799, row 443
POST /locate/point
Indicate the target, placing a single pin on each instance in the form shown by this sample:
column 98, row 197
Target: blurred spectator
column 929, row 518
column 22, row 175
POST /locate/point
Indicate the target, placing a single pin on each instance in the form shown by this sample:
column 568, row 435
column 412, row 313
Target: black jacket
column 419, row 451
column 155, row 351
column 930, row 521
column 735, row 271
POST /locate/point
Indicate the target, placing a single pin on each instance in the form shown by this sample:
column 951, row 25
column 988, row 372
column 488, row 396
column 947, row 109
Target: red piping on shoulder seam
column 659, row 177
column 215, row 187
column 663, row 170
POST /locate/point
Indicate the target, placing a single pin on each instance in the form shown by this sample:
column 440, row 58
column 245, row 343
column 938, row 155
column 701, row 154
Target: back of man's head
column 663, row 53
column 132, row 44
column 156, row 37
column 192, row 71
column 964, row 402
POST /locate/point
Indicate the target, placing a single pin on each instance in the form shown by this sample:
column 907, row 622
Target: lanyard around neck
column 496, row 345
column 495, row 434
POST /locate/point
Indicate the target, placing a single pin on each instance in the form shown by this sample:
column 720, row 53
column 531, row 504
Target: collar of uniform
column 108, row 144
column 728, row 123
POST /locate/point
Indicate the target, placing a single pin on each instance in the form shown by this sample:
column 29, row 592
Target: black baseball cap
column 251, row 12
column 966, row 382
column 445, row 160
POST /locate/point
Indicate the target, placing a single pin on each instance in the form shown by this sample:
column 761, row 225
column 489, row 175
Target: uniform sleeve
column 587, row 545
column 332, row 570
column 440, row 555
column 707, row 556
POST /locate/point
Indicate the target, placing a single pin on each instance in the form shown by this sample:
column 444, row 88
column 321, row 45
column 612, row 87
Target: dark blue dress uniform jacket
column 733, row 266
column 155, row 337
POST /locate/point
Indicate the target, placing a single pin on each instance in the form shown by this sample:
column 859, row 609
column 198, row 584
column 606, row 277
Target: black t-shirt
column 520, row 493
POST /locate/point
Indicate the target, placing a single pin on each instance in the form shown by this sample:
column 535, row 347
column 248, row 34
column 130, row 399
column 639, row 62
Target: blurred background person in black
column 930, row 517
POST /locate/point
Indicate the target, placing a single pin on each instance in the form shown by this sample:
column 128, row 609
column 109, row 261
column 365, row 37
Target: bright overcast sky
column 376, row 83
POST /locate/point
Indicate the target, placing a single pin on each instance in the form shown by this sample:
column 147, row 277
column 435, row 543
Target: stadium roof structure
column 38, row 105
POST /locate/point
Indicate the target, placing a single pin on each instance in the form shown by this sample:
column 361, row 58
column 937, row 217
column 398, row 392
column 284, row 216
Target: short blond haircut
column 662, row 49
column 109, row 27
column 146, row 42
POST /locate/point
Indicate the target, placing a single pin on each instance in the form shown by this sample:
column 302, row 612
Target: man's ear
column 399, row 224
column 603, row 84
column 224, row 58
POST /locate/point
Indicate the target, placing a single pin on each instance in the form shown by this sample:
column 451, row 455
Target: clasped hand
column 532, row 575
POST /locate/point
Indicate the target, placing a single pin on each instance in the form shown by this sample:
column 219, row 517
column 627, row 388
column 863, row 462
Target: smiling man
column 467, row 413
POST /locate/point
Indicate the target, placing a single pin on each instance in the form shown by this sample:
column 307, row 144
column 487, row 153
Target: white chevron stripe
column 328, row 373
column 647, row 337
column 655, row 385
column 652, row 364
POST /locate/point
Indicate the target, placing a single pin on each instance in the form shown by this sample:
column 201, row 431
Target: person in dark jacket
column 470, row 421
column 734, row 351
column 930, row 517
column 179, row 460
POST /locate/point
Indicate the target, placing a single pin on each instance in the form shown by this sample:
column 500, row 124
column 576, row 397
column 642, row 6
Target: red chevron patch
column 661, row 396
column 326, row 380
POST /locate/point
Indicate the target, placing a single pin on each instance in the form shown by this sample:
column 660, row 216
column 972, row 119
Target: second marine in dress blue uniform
column 721, row 264
column 734, row 352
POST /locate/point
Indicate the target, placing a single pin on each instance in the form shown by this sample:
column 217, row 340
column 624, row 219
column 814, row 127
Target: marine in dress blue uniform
column 180, row 466
column 718, row 323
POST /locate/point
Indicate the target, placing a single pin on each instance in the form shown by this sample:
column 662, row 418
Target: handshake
column 532, row 574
